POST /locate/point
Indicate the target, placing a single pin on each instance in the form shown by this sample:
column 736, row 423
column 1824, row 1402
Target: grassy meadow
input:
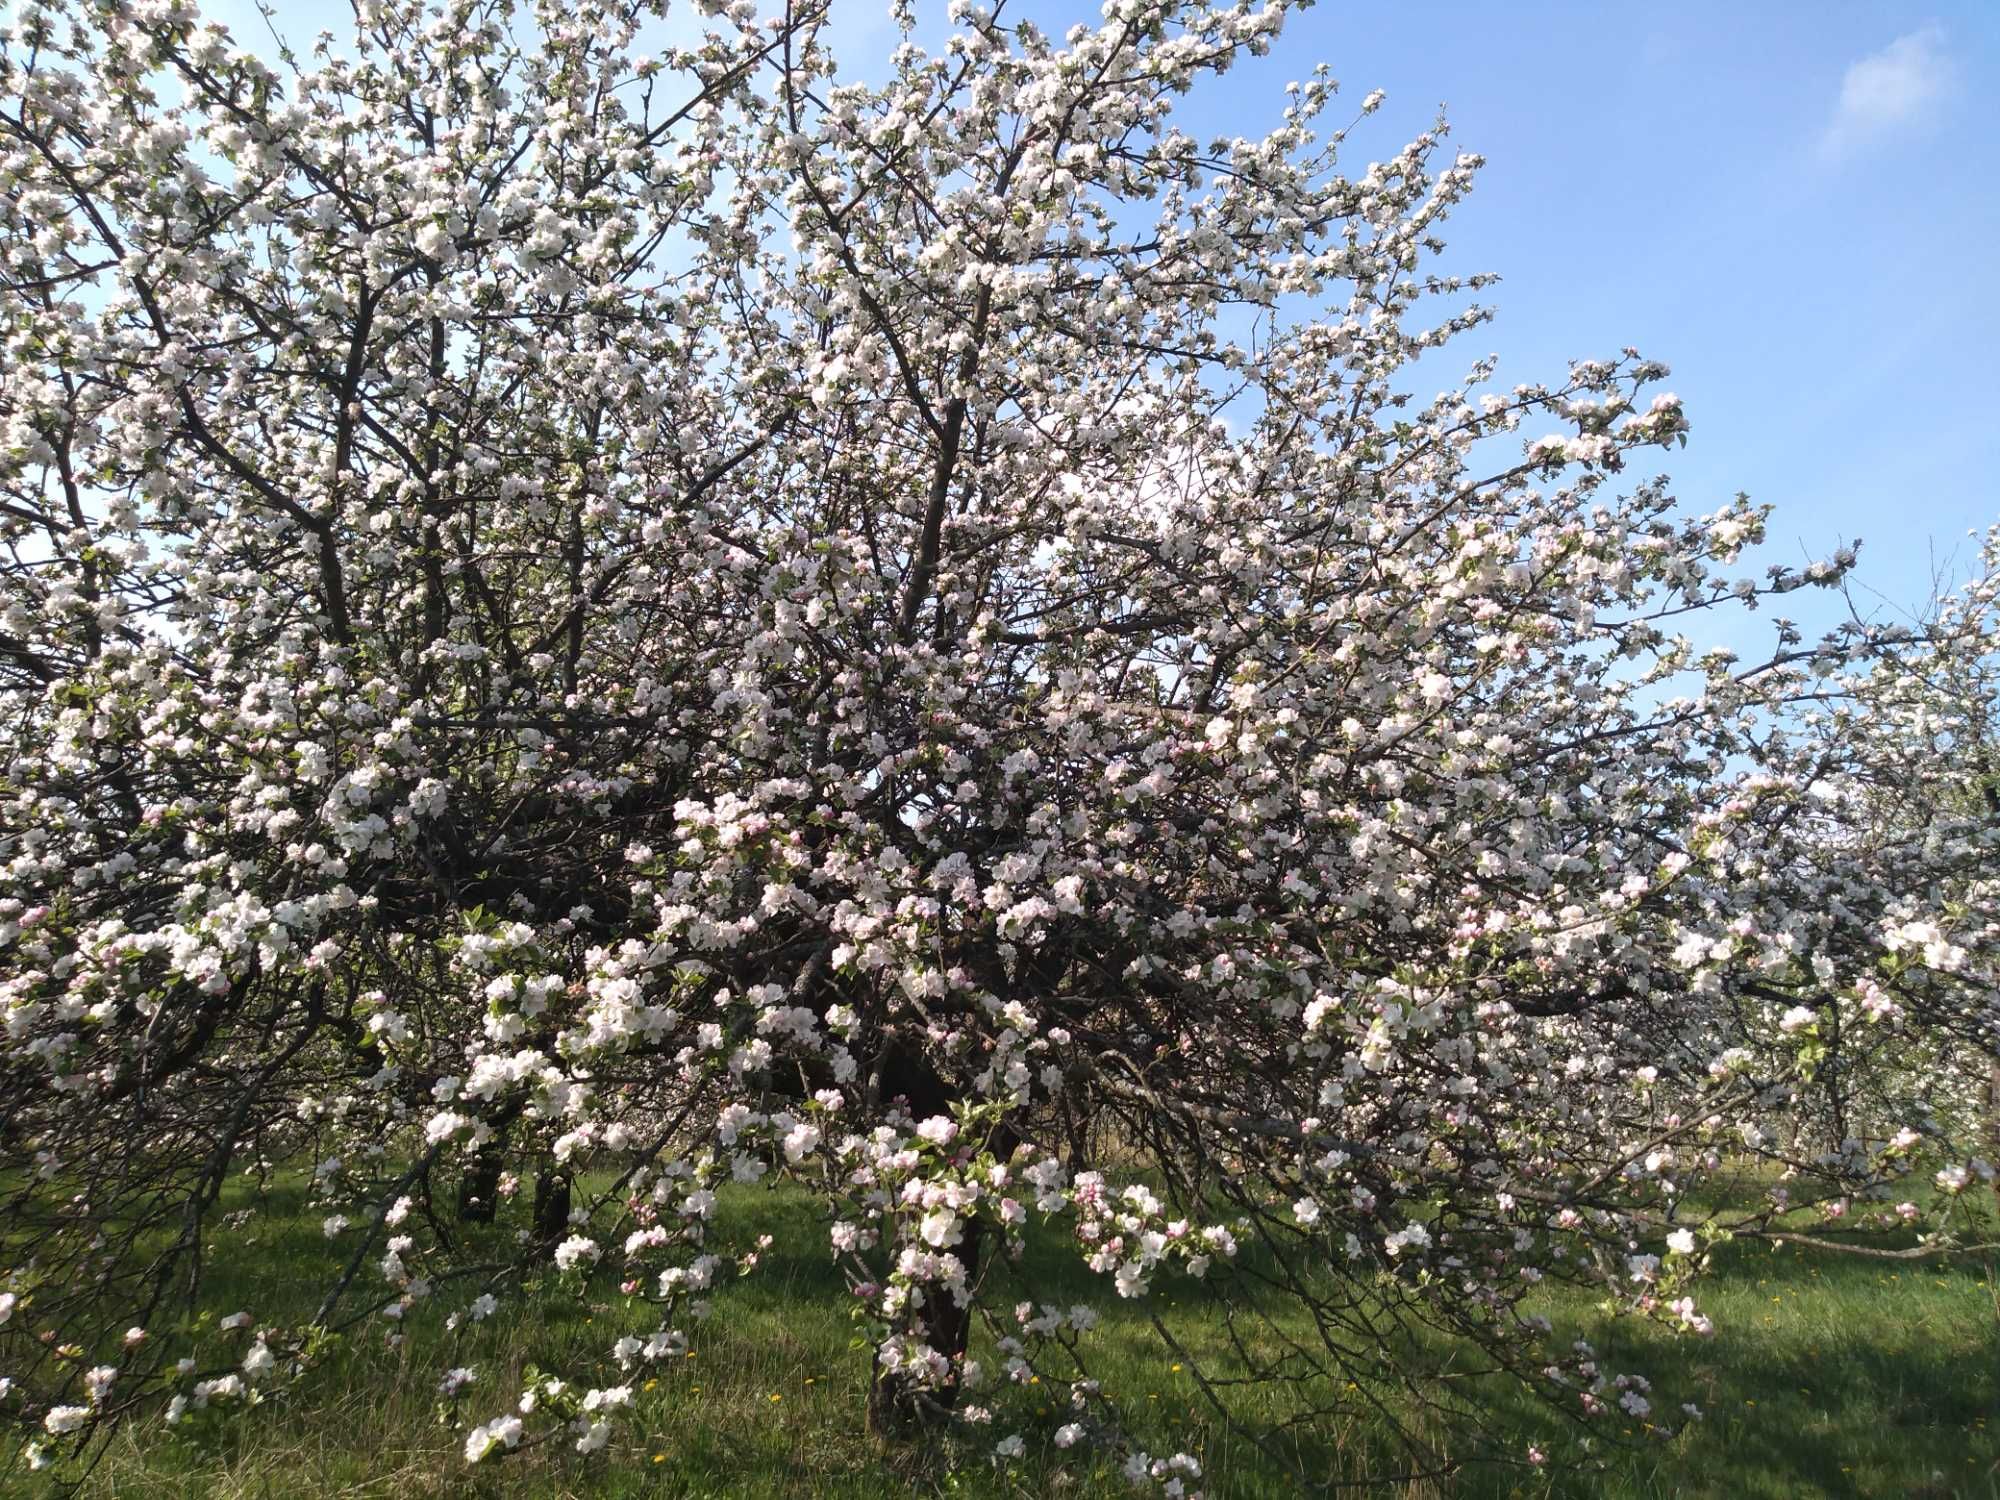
column 1827, row 1375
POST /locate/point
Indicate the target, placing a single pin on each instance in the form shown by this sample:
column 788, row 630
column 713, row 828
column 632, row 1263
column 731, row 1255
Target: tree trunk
column 479, row 1188
column 895, row 1407
column 551, row 1206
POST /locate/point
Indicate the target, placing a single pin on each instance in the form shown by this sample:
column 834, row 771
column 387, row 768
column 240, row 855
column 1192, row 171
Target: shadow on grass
column 1827, row 1376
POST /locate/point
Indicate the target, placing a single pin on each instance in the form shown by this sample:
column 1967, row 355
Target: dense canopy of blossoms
column 625, row 623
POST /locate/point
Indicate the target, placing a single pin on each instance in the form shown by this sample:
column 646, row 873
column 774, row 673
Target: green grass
column 1826, row 1376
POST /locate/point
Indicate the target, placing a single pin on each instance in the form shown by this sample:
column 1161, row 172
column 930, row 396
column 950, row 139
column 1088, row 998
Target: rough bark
column 479, row 1188
column 552, row 1193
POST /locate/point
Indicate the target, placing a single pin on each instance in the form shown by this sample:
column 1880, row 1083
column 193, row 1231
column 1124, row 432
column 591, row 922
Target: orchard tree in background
column 1919, row 811
column 581, row 626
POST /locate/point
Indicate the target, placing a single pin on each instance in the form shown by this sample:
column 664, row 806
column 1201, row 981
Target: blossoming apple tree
column 579, row 627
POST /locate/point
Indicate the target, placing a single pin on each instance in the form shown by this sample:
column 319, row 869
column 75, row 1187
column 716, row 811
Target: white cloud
column 1889, row 91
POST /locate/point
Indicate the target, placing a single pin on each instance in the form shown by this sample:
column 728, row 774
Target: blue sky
column 1796, row 205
